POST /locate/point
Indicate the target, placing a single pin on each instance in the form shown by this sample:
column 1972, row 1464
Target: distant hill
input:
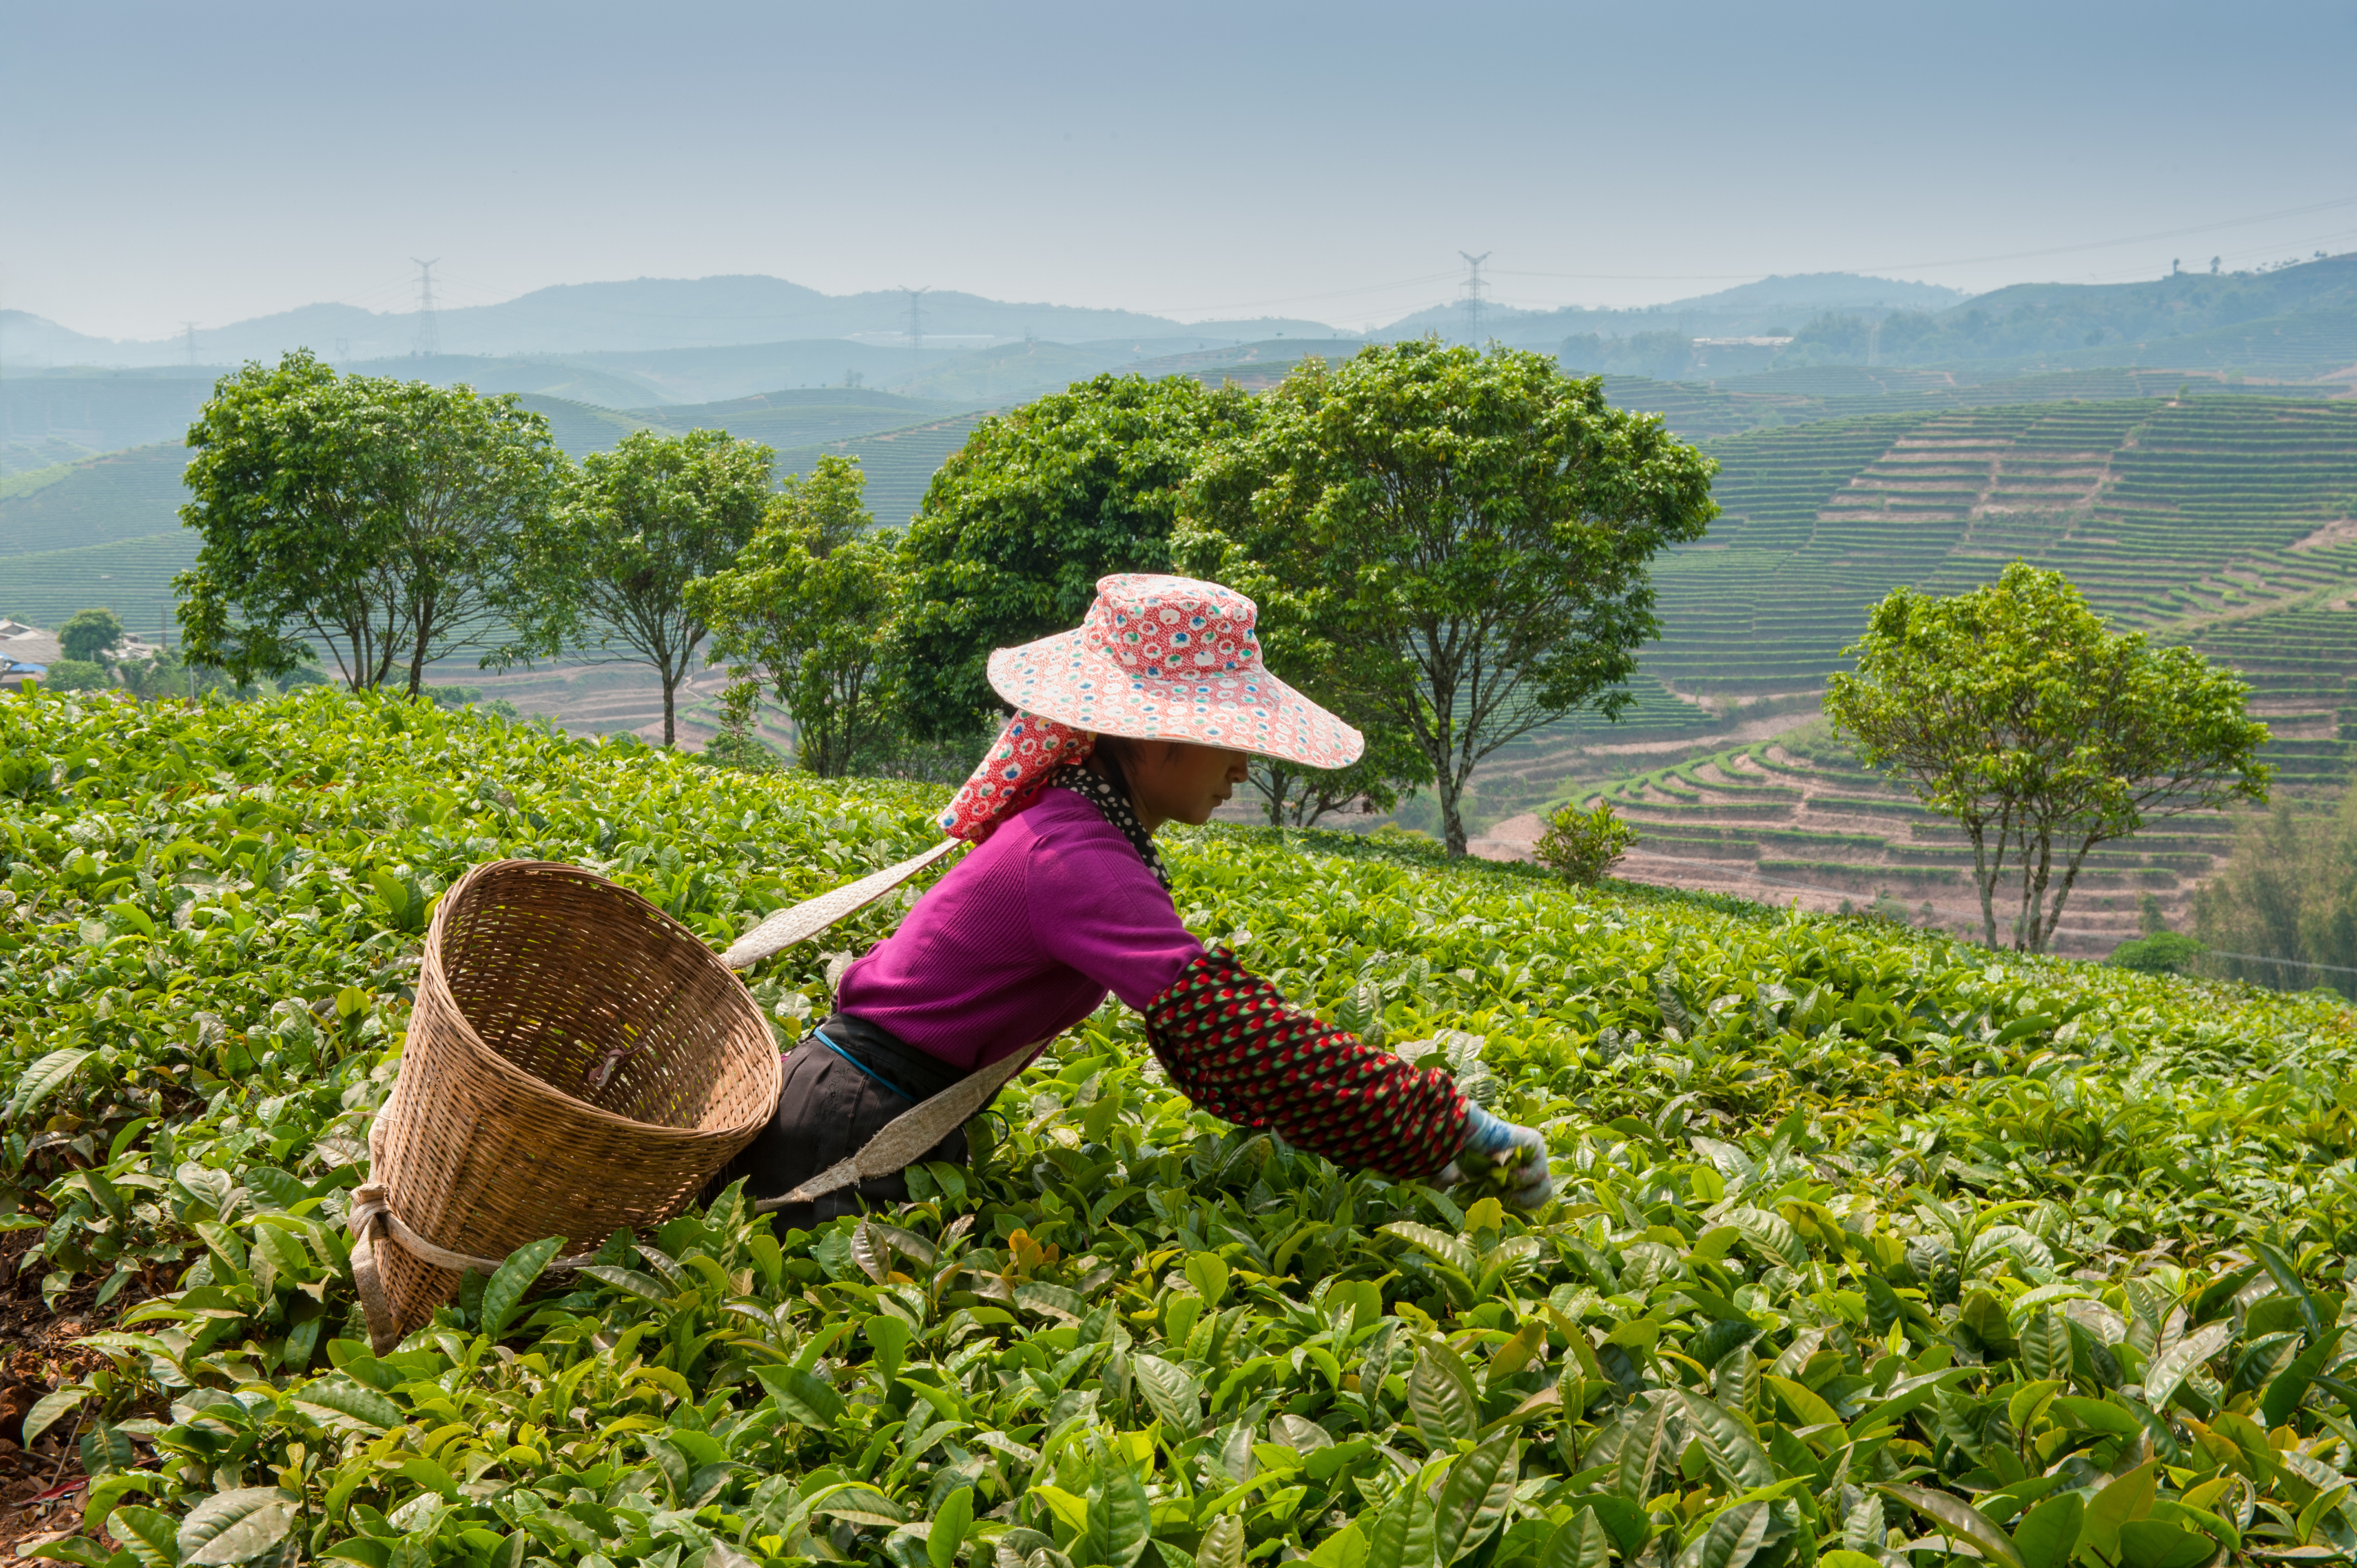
column 694, row 376
column 900, row 464
column 2298, row 320
column 123, row 496
column 1012, row 372
column 790, row 420
column 640, row 315
column 106, row 532
column 581, row 427
column 652, row 340
column 1772, row 305
column 2303, row 316
column 62, row 416
column 566, row 379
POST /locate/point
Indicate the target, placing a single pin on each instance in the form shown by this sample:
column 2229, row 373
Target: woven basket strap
column 372, row 1223
column 808, row 918
column 907, row 1136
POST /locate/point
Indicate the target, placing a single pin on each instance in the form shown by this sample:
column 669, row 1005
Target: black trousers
column 827, row 1108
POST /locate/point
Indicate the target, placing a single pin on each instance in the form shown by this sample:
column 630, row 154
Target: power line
column 2130, row 240
column 1967, row 260
column 429, row 341
column 1311, row 298
column 2262, row 958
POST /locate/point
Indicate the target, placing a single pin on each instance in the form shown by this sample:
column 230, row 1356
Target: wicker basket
column 578, row 1062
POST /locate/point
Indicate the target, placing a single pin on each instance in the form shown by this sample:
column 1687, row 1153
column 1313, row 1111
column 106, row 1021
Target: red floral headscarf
column 1013, row 771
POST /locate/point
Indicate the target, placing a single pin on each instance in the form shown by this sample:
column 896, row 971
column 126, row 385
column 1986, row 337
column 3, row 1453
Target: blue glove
column 1490, row 1141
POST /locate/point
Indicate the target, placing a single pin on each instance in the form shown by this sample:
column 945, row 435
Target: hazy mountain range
column 657, row 341
column 637, row 316
column 648, row 313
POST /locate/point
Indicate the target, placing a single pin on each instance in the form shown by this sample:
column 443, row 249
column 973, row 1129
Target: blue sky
column 166, row 163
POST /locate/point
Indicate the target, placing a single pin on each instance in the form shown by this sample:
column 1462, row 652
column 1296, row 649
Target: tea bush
column 1869, row 1246
column 1584, row 845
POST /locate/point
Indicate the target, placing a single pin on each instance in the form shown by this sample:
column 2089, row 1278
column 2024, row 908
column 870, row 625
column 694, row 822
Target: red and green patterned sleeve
column 1235, row 1046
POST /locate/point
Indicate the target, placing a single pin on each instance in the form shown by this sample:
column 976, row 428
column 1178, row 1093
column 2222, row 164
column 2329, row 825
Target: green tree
column 90, row 636
column 2012, row 709
column 371, row 515
column 1021, row 522
column 604, row 574
column 1451, row 542
column 2283, row 909
column 1299, row 797
column 801, row 613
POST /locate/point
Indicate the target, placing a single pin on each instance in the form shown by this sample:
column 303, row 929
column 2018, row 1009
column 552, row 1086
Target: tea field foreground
column 1869, row 1246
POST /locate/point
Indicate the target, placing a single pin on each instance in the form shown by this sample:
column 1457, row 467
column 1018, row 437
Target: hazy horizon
column 1316, row 162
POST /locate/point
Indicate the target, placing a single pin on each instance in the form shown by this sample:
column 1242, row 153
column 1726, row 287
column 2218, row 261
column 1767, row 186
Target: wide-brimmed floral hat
column 1171, row 659
column 1158, row 657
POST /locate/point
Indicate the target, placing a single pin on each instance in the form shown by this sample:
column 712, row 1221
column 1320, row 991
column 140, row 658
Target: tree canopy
column 2283, row 909
column 1021, row 522
column 91, row 635
column 800, row 613
column 1450, row 542
column 372, row 515
column 603, row 575
column 2013, row 709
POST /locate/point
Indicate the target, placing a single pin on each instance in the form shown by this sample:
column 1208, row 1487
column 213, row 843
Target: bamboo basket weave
column 578, row 1061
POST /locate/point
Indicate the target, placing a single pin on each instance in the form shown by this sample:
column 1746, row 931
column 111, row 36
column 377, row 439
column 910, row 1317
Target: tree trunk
column 417, row 650
column 1452, row 824
column 2034, row 931
column 671, row 684
column 1273, row 796
column 2062, row 892
column 1985, row 876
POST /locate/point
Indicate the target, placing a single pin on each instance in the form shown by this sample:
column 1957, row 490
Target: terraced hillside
column 104, row 531
column 61, row 415
column 898, row 463
column 2224, row 522
column 1796, row 821
column 582, row 428
column 133, row 577
column 792, row 419
column 2167, row 513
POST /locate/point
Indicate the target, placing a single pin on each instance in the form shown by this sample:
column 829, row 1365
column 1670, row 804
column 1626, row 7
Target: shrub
column 1584, row 845
column 743, row 750
column 2163, row 953
column 77, row 675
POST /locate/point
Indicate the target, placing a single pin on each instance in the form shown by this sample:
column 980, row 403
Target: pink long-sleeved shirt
column 1022, row 939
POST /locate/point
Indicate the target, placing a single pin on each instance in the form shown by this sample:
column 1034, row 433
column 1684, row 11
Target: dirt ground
column 41, row 1489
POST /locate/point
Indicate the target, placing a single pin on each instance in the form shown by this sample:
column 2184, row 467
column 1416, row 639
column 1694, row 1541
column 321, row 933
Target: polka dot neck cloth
column 1028, row 750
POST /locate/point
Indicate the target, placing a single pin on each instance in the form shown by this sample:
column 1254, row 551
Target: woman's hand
column 1503, row 1160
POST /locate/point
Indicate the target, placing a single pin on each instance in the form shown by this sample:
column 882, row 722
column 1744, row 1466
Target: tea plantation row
column 1867, row 1246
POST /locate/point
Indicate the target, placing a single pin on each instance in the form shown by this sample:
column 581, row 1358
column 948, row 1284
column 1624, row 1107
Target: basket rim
column 479, row 1051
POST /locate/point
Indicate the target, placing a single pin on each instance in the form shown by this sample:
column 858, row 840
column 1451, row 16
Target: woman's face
column 1181, row 781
